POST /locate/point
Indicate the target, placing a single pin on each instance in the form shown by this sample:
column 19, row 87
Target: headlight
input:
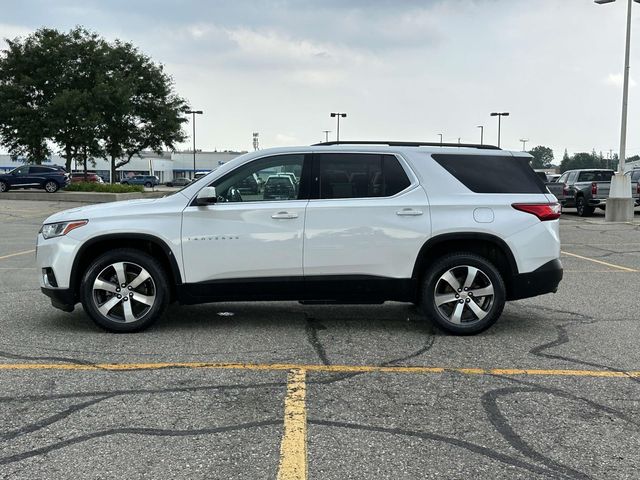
column 52, row 230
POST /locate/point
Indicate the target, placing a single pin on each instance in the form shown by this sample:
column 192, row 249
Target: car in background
column 49, row 178
column 178, row 182
column 90, row 177
column 199, row 175
column 635, row 185
column 583, row 189
column 146, row 180
column 553, row 177
column 250, row 185
column 279, row 187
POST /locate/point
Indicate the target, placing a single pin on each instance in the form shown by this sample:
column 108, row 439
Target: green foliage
column 542, row 157
column 586, row 160
column 89, row 97
column 103, row 187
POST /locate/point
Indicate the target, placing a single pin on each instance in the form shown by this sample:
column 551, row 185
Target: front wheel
column 125, row 290
column 463, row 293
column 51, row 186
column 148, row 185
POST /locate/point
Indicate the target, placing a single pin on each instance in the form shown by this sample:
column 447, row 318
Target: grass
column 103, row 187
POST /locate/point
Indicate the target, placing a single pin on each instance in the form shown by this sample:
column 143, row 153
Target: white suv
column 456, row 230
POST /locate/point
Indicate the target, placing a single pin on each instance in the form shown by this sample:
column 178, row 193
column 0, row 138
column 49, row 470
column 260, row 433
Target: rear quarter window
column 492, row 173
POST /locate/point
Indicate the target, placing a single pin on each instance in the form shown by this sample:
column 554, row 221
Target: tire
column 582, row 208
column 148, row 185
column 51, row 186
column 4, row 186
column 145, row 303
column 445, row 280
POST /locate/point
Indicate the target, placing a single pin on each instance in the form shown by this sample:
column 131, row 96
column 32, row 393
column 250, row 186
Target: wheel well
column 493, row 249
column 154, row 247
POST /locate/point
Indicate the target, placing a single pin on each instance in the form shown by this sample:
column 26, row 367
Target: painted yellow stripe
column 319, row 368
column 624, row 269
column 16, row 254
column 293, row 449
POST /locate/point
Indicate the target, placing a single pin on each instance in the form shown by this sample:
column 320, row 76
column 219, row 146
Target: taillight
column 594, row 188
column 638, row 187
column 565, row 189
column 544, row 211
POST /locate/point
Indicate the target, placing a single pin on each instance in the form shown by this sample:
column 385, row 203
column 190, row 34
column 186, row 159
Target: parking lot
column 282, row 390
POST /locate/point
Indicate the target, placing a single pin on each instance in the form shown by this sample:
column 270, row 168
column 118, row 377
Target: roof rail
column 409, row 144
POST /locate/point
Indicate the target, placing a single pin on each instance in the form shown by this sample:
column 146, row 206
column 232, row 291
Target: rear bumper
column 61, row 298
column 542, row 280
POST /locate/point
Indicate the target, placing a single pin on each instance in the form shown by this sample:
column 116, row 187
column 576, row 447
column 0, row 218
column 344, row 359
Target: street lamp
column 194, row 113
column 499, row 115
column 440, row 138
column 524, row 144
column 481, row 127
column 620, row 203
column 326, row 135
column 338, row 115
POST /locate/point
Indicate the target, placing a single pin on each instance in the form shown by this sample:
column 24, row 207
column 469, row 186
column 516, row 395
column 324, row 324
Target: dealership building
column 166, row 166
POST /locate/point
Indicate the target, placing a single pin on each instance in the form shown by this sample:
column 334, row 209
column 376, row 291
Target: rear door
column 367, row 218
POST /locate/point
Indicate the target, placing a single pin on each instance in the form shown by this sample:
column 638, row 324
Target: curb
column 84, row 197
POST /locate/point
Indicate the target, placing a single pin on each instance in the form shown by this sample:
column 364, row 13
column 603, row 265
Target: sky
column 400, row 69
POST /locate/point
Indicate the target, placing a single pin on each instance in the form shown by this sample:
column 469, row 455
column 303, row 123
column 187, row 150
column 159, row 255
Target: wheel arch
column 486, row 245
column 151, row 244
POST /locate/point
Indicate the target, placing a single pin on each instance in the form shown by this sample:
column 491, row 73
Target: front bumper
column 542, row 280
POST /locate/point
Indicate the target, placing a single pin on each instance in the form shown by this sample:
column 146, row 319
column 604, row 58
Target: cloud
column 617, row 80
column 13, row 31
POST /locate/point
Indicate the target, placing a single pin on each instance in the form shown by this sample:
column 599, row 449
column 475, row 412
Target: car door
column 245, row 237
column 20, row 177
column 369, row 219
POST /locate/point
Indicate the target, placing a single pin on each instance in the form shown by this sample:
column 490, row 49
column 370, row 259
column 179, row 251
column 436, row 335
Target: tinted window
column 492, row 174
column 351, row 175
column 24, row 170
column 563, row 178
column 596, row 176
column 34, row 170
column 635, row 175
column 271, row 178
column 572, row 177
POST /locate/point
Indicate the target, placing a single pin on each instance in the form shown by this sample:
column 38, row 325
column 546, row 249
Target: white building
column 166, row 166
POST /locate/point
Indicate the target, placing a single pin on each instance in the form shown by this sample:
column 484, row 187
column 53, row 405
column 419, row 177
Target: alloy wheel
column 464, row 295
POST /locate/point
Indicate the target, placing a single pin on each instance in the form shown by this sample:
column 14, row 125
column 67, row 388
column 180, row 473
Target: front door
column 250, row 235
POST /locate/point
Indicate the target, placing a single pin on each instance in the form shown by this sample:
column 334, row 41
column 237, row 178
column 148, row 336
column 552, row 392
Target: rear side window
column 41, row 170
column 596, row 176
column 358, row 175
column 492, row 174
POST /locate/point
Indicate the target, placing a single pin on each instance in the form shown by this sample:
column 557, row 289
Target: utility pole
column 326, row 135
column 481, row 127
column 524, row 144
column 194, row 113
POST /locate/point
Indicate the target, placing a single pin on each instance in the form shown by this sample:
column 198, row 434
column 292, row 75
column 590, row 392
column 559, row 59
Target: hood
column 125, row 207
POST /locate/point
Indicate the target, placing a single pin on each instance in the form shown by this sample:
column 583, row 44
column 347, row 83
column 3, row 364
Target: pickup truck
column 583, row 189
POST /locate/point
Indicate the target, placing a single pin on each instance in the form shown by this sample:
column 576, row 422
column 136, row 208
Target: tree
column 542, row 157
column 87, row 96
column 139, row 109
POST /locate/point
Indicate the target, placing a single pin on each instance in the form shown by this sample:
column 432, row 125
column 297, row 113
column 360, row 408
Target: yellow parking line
column 16, row 254
column 319, row 368
column 624, row 269
column 293, row 449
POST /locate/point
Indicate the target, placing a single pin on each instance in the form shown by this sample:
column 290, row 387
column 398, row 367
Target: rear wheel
column 148, row 185
column 125, row 290
column 463, row 293
column 4, row 186
column 582, row 208
column 51, row 186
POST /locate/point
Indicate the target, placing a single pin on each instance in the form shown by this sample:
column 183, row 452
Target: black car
column 49, row 178
column 179, row 182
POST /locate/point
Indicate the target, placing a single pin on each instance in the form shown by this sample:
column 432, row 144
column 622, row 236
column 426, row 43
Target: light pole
column 481, row 127
column 499, row 115
column 338, row 115
column 524, row 144
column 440, row 138
column 326, row 135
column 620, row 203
column 194, row 113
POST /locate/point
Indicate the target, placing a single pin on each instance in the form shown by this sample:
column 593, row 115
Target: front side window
column 267, row 179
column 24, row 170
column 356, row 175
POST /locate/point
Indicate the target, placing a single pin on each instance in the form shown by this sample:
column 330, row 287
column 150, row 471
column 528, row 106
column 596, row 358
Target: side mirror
column 207, row 196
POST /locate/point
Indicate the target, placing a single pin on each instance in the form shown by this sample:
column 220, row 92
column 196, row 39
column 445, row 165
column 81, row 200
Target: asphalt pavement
column 282, row 390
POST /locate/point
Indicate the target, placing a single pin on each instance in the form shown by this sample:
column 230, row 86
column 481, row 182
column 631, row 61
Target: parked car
column 583, row 189
column 91, row 177
column 50, row 178
column 635, row 184
column 146, row 180
column 413, row 223
column 251, row 185
column 279, row 187
column 179, row 182
column 553, row 177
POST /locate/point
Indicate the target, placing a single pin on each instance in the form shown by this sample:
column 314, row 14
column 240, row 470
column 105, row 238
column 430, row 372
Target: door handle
column 284, row 215
column 409, row 212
